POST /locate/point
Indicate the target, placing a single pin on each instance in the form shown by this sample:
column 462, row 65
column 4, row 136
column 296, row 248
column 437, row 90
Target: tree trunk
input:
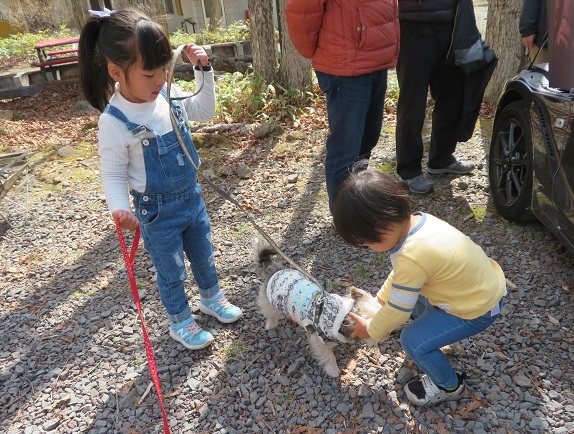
column 294, row 70
column 263, row 38
column 216, row 14
column 155, row 9
column 78, row 14
column 503, row 36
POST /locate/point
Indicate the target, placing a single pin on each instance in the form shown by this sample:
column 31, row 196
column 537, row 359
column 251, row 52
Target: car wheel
column 510, row 167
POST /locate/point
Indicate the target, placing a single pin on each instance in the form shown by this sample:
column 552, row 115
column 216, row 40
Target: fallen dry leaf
column 51, row 123
column 68, row 338
column 566, row 286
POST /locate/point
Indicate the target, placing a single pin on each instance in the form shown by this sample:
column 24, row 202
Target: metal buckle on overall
column 139, row 130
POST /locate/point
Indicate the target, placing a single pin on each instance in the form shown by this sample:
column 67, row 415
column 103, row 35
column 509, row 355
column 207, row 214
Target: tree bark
column 216, row 14
column 294, row 69
column 155, row 9
column 503, row 36
column 78, row 15
column 263, row 38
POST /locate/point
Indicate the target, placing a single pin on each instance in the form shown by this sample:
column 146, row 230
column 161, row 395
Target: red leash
column 129, row 260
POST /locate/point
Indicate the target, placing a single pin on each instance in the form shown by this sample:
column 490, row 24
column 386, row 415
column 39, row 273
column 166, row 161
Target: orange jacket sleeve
column 304, row 18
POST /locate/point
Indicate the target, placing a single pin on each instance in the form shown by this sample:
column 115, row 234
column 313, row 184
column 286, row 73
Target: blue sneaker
column 221, row 309
column 190, row 334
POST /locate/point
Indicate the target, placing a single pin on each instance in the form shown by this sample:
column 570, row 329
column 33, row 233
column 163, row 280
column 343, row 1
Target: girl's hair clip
column 102, row 14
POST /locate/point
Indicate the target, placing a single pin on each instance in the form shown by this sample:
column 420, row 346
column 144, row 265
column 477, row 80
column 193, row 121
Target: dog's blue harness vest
column 307, row 304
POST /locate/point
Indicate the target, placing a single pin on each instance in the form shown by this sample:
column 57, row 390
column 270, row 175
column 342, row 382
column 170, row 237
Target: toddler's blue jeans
column 434, row 328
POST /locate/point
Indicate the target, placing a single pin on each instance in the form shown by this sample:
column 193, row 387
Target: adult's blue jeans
column 355, row 108
column 434, row 328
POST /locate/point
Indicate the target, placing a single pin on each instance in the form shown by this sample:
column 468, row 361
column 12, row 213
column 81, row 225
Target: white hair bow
column 105, row 13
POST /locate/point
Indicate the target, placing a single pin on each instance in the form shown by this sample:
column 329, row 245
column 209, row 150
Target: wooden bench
column 60, row 52
column 56, row 61
column 53, row 53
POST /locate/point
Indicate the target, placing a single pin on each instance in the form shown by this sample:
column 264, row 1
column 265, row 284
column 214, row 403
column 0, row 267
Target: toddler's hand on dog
column 359, row 329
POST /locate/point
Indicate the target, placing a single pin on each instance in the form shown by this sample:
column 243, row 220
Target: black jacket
column 534, row 20
column 427, row 11
column 476, row 59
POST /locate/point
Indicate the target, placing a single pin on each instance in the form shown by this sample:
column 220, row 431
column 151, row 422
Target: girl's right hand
column 196, row 54
column 127, row 219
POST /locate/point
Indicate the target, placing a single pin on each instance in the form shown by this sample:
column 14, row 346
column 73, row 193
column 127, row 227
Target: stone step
column 26, row 82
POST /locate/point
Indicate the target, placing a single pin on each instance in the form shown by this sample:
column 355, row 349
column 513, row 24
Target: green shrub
column 247, row 98
column 21, row 45
column 392, row 94
column 235, row 32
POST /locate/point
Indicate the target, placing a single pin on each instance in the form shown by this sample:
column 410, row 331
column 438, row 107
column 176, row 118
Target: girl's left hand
column 196, row 54
column 359, row 329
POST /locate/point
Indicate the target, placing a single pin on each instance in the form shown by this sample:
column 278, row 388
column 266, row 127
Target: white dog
column 288, row 292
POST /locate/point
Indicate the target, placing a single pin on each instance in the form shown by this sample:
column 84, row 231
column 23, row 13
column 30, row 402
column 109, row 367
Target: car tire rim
column 511, row 163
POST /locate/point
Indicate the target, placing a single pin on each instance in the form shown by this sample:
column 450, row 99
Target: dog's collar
column 319, row 299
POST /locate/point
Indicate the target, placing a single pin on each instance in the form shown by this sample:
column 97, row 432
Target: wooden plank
column 7, row 185
column 8, row 161
column 12, row 155
column 54, row 62
column 57, row 52
column 55, row 42
column 18, row 92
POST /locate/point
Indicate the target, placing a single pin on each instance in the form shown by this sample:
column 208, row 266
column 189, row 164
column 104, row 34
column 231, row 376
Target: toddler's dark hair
column 367, row 203
column 124, row 38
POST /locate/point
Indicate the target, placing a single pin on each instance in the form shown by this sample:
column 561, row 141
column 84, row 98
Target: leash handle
column 129, row 259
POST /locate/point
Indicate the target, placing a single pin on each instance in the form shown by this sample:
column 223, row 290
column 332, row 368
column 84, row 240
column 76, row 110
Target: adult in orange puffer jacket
column 351, row 43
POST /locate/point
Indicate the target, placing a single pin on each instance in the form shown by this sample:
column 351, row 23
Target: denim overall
column 172, row 215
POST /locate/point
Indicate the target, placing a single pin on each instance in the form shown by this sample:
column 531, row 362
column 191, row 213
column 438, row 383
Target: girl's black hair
column 124, row 38
column 367, row 203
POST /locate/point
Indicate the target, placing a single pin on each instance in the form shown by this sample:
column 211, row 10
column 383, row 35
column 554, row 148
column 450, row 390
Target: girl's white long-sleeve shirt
column 121, row 153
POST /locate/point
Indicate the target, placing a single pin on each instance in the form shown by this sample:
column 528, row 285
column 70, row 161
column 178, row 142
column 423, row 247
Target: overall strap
column 135, row 129
column 174, row 104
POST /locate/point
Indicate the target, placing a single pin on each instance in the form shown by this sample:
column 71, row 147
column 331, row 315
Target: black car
column 531, row 160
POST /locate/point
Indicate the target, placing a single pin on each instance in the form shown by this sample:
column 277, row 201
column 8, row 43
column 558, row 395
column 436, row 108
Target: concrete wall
column 234, row 10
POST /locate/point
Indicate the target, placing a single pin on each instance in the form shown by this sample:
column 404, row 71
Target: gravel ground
column 72, row 358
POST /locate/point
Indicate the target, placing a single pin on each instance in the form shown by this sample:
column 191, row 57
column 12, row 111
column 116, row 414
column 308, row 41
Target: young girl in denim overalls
column 123, row 68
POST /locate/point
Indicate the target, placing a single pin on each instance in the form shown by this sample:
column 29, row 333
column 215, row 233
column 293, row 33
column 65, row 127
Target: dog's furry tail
column 263, row 256
column 264, row 253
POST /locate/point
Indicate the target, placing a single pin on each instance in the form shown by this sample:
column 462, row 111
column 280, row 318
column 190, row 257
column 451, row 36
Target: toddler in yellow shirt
column 440, row 278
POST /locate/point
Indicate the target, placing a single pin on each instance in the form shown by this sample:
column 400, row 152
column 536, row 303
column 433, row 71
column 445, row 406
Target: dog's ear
column 358, row 294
